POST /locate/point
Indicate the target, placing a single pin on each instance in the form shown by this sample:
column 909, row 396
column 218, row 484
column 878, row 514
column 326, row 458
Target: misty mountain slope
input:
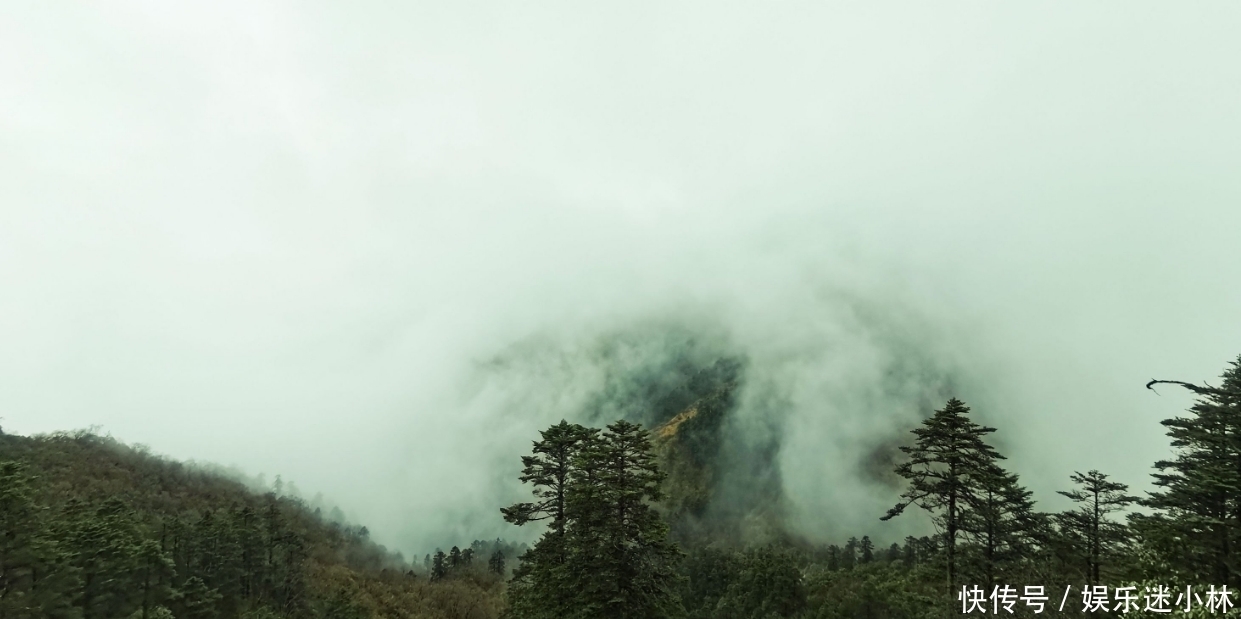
column 757, row 444
column 94, row 529
column 718, row 489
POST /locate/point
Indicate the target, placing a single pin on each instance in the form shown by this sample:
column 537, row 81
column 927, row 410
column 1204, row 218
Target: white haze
column 289, row 236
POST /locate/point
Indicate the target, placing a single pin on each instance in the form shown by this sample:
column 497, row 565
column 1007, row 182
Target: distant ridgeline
column 93, row 529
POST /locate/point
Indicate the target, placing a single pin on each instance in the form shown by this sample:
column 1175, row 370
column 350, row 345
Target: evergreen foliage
column 496, row 563
column 945, row 470
column 1197, row 524
column 91, row 529
column 1000, row 521
column 606, row 552
column 1089, row 526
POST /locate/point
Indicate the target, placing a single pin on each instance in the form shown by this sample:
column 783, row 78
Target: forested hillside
column 93, row 529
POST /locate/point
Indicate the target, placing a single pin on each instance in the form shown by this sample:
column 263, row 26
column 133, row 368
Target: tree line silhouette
column 92, row 529
column 606, row 554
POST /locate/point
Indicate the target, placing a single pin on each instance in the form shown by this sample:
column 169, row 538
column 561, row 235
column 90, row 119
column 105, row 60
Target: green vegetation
column 92, row 529
column 606, row 551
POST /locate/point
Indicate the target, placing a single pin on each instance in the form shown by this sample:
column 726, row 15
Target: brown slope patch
column 669, row 429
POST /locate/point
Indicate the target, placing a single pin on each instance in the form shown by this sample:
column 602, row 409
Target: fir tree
column 154, row 576
column 639, row 561
column 893, row 553
column 106, row 543
column 496, row 563
column 867, row 548
column 767, row 584
column 848, row 558
column 1000, row 520
column 834, row 561
column 548, row 471
column 1199, row 501
column 246, row 523
column 439, row 567
column 911, row 551
column 540, row 586
column 1096, row 498
column 606, row 553
column 943, row 467
column 197, row 600
column 24, row 551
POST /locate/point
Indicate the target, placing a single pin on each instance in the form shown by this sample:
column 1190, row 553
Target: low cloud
column 375, row 249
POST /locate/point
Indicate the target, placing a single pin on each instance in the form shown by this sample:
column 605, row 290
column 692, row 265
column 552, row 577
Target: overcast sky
column 285, row 235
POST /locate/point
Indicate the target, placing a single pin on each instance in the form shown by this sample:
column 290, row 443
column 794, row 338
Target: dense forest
column 93, row 529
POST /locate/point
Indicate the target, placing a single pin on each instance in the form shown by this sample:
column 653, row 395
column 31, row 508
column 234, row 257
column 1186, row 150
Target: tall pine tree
column 944, row 468
column 606, row 553
column 1000, row 521
column 1096, row 499
column 540, row 585
column 638, row 563
column 1199, row 498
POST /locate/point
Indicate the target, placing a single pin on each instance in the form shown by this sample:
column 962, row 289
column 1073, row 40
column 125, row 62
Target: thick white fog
column 296, row 237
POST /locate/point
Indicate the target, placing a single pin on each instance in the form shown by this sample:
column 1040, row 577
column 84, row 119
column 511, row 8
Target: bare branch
column 1200, row 390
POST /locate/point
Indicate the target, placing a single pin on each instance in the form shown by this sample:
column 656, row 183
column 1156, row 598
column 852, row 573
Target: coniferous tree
column 848, row 558
column 834, row 561
column 439, row 567
column 639, row 560
column 197, row 600
column 606, row 552
column 219, row 560
column 273, row 534
column 53, row 578
column 548, row 470
column 910, row 551
column 292, row 590
column 1000, row 520
column 105, row 544
column 496, row 563
column 767, row 583
column 155, row 576
column 1097, row 498
column 943, row 467
column 25, row 550
column 867, row 549
column 250, row 546
column 709, row 574
column 97, row 530
column 893, row 553
column 1199, row 498
column 540, row 585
